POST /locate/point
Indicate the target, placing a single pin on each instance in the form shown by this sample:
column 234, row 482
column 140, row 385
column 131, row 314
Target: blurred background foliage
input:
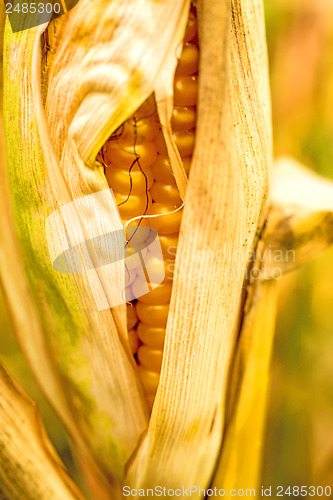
column 299, row 435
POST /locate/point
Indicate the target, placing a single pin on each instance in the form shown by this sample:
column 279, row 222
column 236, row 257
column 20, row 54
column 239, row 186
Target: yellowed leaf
column 224, row 205
column 300, row 222
column 241, row 456
column 29, row 466
column 60, row 109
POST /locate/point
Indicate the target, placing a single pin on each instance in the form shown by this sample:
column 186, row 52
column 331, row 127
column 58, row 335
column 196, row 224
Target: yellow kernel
column 157, row 267
column 160, row 144
column 150, row 358
column 168, row 222
column 166, row 193
column 124, row 155
column 152, row 336
column 169, row 244
column 133, row 205
column 189, row 60
column 183, row 118
column 132, row 180
column 136, row 131
column 162, row 171
column 160, row 294
column 149, row 380
column 191, row 28
column 185, row 91
column 153, row 315
column 136, row 234
column 185, row 142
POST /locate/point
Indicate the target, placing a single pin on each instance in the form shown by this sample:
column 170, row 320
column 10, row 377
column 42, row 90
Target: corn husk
column 60, row 117
column 300, row 223
column 224, row 204
column 61, row 105
column 27, row 318
column 298, row 229
column 29, row 466
column 190, row 402
column 242, row 450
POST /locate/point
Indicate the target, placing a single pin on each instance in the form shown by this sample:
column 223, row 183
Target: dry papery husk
column 61, row 105
column 224, row 206
column 299, row 227
column 300, row 221
column 29, row 466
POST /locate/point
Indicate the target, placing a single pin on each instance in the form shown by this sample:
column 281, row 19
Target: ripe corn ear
column 95, row 59
column 61, row 155
column 139, row 171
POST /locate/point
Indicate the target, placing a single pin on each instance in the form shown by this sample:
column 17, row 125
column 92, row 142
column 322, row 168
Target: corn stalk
column 60, row 106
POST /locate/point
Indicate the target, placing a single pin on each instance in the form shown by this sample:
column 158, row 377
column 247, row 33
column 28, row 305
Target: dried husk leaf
column 164, row 101
column 241, row 456
column 84, row 344
column 29, row 466
column 85, row 101
column 119, row 53
column 224, row 207
column 298, row 228
column 28, row 320
column 25, row 315
column 300, row 222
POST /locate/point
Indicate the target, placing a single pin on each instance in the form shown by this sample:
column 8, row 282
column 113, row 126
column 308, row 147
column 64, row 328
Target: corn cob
column 138, row 170
column 189, row 410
